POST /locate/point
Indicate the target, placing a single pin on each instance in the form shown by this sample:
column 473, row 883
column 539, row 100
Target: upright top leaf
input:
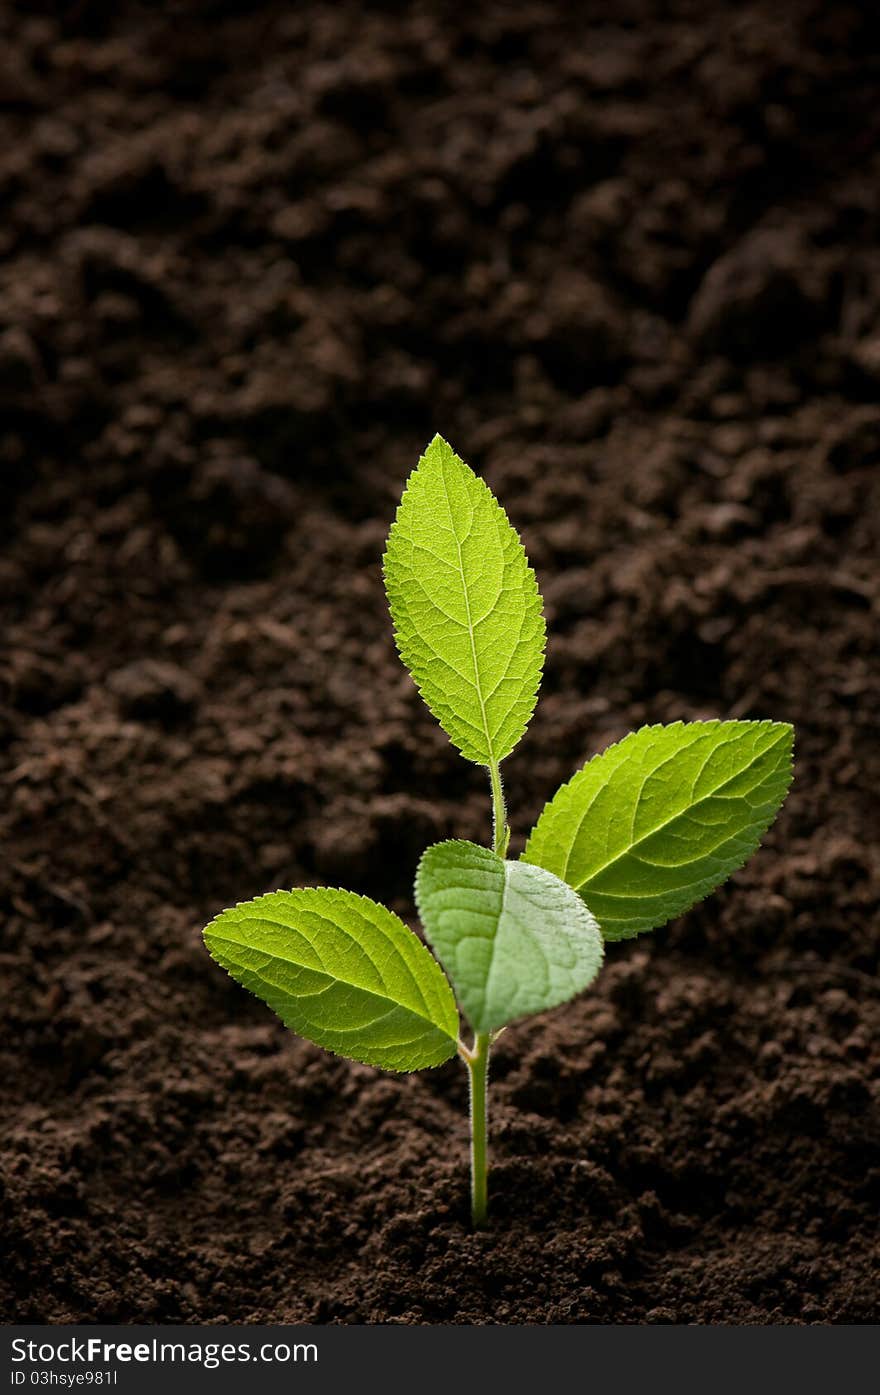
column 656, row 822
column 465, row 605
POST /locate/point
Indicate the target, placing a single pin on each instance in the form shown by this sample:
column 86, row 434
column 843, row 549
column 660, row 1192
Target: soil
column 626, row 259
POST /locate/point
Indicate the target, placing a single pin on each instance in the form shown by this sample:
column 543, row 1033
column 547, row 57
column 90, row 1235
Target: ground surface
column 249, row 265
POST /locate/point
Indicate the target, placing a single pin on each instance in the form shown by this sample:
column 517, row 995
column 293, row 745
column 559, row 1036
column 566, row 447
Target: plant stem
column 500, row 831
column 477, row 1062
column 477, row 1059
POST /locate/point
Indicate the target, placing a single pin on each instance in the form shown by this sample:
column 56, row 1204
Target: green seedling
column 641, row 833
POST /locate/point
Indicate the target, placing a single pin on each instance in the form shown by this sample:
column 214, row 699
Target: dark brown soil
column 626, row 258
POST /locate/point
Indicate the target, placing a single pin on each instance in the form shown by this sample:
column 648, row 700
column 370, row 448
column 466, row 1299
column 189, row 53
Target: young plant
column 640, row 834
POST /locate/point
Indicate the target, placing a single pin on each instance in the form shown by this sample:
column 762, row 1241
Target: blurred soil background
column 251, row 257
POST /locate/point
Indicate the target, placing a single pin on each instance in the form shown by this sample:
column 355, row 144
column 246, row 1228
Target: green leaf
column 514, row 939
column 465, row 605
column 342, row 971
column 655, row 823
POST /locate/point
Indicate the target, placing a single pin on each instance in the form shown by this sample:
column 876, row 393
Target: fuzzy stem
column 500, row 831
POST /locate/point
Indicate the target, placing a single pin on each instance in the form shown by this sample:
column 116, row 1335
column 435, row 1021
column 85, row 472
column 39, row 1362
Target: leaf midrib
column 494, row 944
column 490, row 748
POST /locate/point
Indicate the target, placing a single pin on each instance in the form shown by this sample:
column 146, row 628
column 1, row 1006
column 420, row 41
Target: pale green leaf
column 465, row 605
column 342, row 971
column 514, row 939
column 653, row 824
